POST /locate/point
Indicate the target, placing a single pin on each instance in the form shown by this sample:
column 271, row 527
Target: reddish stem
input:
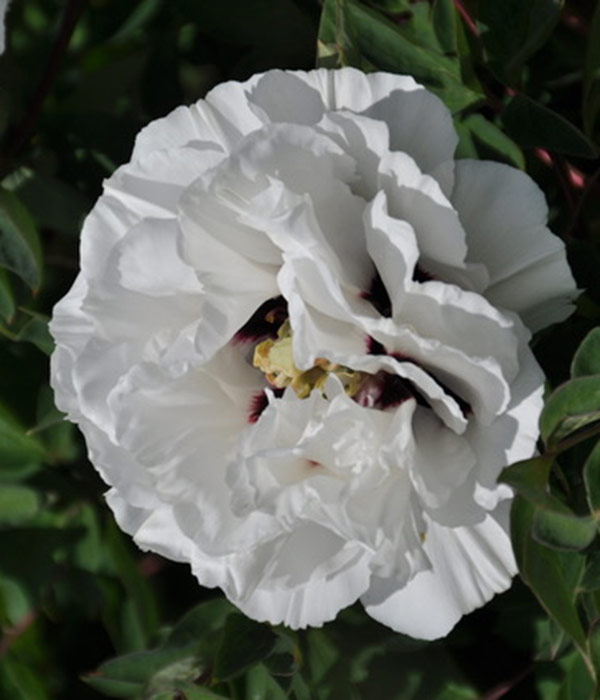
column 468, row 20
column 500, row 690
column 24, row 132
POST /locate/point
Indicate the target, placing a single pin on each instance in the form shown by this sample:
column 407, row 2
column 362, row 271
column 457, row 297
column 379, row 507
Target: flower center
column 270, row 332
column 274, row 357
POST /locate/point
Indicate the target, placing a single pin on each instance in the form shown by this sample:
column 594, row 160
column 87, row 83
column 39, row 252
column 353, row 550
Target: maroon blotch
column 259, row 402
column 264, row 322
column 377, row 295
column 421, row 275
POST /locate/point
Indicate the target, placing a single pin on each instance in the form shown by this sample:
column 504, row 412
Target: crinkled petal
column 306, row 577
column 468, row 566
column 505, row 214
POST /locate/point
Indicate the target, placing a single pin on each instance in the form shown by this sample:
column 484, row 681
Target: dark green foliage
column 78, row 81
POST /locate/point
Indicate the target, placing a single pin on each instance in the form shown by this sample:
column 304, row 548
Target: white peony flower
column 298, row 348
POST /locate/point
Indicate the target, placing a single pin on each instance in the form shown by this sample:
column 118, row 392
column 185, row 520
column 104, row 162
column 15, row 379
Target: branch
column 26, row 129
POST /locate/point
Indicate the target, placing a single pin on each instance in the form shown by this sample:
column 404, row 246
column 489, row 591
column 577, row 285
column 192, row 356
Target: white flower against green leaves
column 298, row 348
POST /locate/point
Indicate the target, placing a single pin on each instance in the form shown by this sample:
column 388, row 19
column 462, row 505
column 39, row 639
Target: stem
column 26, row 129
column 589, row 186
column 560, row 169
column 500, row 690
column 580, row 436
column 468, row 20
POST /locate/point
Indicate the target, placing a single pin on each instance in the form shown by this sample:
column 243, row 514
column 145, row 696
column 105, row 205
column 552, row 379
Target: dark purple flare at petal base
column 264, row 322
column 259, row 402
column 377, row 295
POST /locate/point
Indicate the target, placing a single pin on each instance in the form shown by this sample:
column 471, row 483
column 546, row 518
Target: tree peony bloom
column 298, row 348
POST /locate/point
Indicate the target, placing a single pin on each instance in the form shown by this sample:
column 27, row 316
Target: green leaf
column 563, row 530
column 140, row 610
column 245, row 643
column 591, row 577
column 513, row 30
column 20, row 249
column 130, row 673
column 181, row 658
column 18, row 682
column 15, row 604
column 591, row 82
column 139, row 17
column 36, row 331
column 490, row 138
column 542, row 570
column 530, row 478
column 111, row 687
column 594, row 647
column 261, row 686
column 7, row 301
column 446, row 23
column 53, row 204
column 572, row 406
column 196, row 624
column 284, row 660
column 587, row 358
column 337, row 42
column 17, row 503
column 578, row 683
column 16, row 446
column 385, row 47
column 532, row 125
column 151, row 669
column 591, row 479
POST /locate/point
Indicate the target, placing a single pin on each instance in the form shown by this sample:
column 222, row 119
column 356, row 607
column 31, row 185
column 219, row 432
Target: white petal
column 417, row 198
column 182, row 430
column 366, row 140
column 71, row 329
column 311, row 166
column 504, row 214
column 234, row 286
column 479, row 381
column 420, row 125
column 464, row 321
column 149, row 261
column 392, row 245
column 151, row 186
column 306, row 577
column 214, row 123
column 357, row 91
column 442, row 460
column 293, row 97
column 469, row 566
column 512, row 436
column 228, row 102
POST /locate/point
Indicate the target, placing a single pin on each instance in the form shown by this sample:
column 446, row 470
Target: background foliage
column 78, row 80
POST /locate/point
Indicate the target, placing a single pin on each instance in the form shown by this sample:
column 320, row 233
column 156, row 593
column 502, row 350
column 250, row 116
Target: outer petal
column 307, row 577
column 419, row 122
column 505, row 214
column 300, row 97
column 468, row 566
column 147, row 188
column 71, row 329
